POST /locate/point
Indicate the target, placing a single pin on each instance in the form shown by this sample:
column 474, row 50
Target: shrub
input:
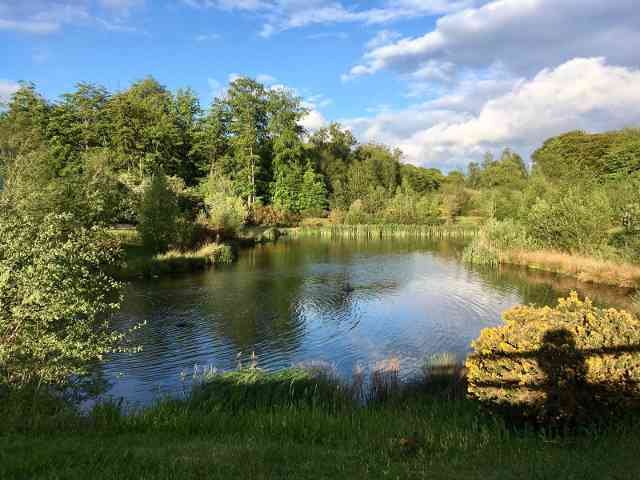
column 188, row 234
column 495, row 237
column 572, row 220
column 55, row 299
column 558, row 366
column 356, row 214
column 158, row 214
column 227, row 212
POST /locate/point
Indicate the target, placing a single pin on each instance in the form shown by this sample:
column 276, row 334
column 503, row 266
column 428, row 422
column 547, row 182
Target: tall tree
column 247, row 101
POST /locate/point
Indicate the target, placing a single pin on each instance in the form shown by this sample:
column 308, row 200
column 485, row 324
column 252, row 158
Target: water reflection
column 343, row 302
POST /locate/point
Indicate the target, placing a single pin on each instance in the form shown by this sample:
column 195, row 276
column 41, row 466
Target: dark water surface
column 343, row 302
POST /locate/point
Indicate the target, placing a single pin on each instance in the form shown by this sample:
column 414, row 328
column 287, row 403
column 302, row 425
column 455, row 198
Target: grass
column 301, row 425
column 507, row 243
column 177, row 261
column 139, row 262
column 584, row 268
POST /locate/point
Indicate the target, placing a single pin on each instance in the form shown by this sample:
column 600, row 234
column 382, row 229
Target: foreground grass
column 256, row 425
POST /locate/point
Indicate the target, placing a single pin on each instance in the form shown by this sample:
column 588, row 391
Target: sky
column 443, row 80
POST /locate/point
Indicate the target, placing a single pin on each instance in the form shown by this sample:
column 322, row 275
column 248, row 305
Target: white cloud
column 326, row 35
column 314, row 120
column 281, row 15
column 121, row 5
column 207, row 37
column 383, row 37
column 7, row 88
column 266, row 79
column 524, row 35
column 448, row 132
column 41, row 17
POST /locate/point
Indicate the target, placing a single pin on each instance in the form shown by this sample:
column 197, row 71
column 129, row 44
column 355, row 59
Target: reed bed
column 435, row 232
column 584, row 268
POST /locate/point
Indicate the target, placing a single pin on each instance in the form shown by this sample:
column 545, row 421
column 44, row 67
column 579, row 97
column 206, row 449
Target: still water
column 345, row 303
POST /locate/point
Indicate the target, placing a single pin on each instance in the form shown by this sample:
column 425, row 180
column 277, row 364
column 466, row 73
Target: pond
column 345, row 303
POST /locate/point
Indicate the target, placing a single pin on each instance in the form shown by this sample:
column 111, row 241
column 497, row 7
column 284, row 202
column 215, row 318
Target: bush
column 158, row 214
column 356, row 214
column 495, row 237
column 558, row 366
column 55, row 299
column 573, row 220
column 268, row 215
column 227, row 212
column 188, row 234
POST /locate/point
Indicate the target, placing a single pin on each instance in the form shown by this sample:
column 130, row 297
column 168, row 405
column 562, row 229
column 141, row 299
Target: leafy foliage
column 571, row 220
column 55, row 298
column 158, row 214
column 562, row 365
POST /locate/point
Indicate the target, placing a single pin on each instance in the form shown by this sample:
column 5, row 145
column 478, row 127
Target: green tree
column 143, row 128
column 227, row 211
column 247, row 102
column 158, row 214
column 313, row 195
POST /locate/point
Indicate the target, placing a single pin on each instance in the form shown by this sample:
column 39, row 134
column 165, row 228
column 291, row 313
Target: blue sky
column 444, row 80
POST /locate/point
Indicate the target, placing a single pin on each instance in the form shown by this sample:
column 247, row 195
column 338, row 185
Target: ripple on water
column 347, row 305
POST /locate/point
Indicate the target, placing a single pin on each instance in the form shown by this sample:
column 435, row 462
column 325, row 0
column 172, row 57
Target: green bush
column 227, row 212
column 158, row 214
column 55, row 299
column 571, row 220
column 188, row 234
column 558, row 366
column 357, row 214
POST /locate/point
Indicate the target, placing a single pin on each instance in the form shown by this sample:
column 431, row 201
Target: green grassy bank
column 289, row 425
column 141, row 263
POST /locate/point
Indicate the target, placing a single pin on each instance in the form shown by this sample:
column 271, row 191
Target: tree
column 227, row 211
column 56, row 300
column 247, row 104
column 313, row 195
column 143, row 128
column 158, row 214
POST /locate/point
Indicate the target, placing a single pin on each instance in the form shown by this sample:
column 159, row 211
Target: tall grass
column 584, row 268
column 177, row 261
column 388, row 231
column 506, row 242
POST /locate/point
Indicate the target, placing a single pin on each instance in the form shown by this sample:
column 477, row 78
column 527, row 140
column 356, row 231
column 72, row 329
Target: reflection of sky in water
column 343, row 303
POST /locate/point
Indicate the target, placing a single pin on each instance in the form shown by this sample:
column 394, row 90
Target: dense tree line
column 247, row 159
column 581, row 194
column 94, row 153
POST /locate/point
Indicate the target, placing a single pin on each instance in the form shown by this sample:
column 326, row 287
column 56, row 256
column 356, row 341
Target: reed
column 435, row 232
column 584, row 268
column 177, row 261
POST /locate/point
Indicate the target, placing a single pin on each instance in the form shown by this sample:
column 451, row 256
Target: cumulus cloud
column 314, row 120
column 524, row 35
column 448, row 132
column 7, row 88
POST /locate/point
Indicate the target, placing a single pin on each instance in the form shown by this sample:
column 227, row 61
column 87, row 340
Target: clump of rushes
column 177, row 261
column 389, row 231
